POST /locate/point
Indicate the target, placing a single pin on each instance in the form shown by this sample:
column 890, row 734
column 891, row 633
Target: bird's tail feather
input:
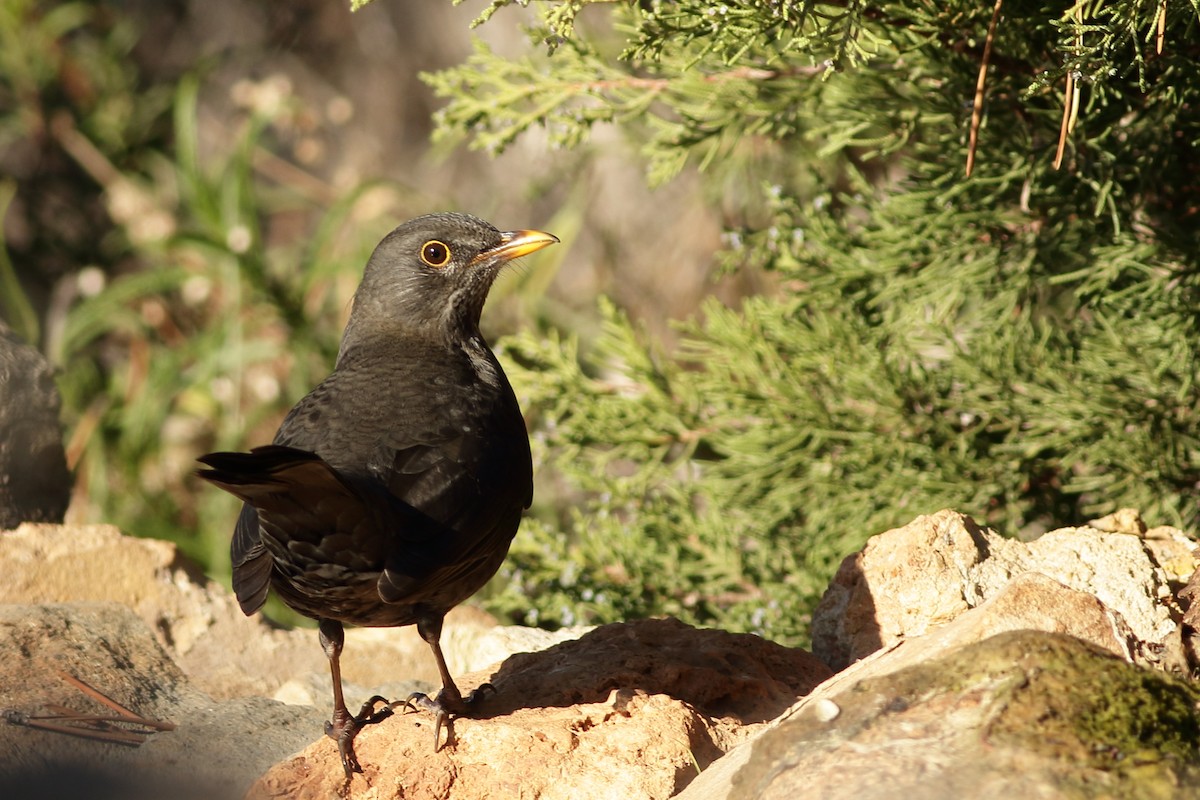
column 268, row 470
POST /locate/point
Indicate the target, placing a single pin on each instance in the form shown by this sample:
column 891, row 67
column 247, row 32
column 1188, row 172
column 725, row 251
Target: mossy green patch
column 1074, row 703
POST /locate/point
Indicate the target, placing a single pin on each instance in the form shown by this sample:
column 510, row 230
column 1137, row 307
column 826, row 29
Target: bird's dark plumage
column 392, row 490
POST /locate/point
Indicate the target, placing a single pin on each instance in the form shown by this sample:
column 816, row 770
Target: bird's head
column 433, row 274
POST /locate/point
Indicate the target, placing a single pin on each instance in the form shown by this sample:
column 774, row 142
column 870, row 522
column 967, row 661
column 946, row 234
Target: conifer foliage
column 1018, row 343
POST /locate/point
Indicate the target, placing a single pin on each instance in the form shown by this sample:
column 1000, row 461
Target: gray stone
column 35, row 484
column 215, row 750
column 1023, row 714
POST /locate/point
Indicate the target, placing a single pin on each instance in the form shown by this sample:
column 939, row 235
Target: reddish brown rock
column 631, row 710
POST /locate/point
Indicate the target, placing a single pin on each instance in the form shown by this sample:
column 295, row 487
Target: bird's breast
column 482, row 362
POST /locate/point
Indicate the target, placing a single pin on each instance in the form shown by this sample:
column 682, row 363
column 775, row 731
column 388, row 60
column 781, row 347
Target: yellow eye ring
column 435, row 253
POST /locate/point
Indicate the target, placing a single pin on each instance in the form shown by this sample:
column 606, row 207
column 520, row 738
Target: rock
column 962, row 669
column 1123, row 520
column 224, row 652
column 1190, row 626
column 630, row 710
column 35, row 484
column 196, row 625
column 215, row 750
column 1030, row 602
column 1022, row 714
column 910, row 580
column 947, row 556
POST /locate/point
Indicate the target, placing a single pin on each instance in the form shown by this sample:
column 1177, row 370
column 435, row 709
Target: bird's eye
column 435, row 254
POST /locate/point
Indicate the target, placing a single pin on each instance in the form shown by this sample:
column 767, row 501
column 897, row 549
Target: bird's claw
column 444, row 707
column 344, row 730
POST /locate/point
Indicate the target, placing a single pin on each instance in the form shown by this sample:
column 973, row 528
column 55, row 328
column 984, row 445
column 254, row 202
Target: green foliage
column 187, row 327
column 209, row 291
column 66, row 85
column 216, row 339
column 1020, row 345
column 47, row 56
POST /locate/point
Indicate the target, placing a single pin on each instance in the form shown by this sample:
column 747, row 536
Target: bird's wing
column 460, row 480
column 468, row 489
column 251, row 562
column 433, row 473
column 295, row 500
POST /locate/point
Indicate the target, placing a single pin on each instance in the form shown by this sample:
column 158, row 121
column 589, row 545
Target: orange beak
column 514, row 244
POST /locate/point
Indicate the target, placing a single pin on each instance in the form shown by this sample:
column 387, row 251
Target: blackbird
column 394, row 488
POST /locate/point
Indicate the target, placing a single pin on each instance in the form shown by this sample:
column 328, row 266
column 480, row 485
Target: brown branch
column 83, row 152
column 1071, row 99
column 288, row 174
column 99, row 727
column 113, row 736
column 64, row 714
column 977, row 108
column 659, row 84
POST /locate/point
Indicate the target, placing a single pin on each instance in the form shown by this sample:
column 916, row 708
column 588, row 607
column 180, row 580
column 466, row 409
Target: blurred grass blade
column 114, row 310
column 18, row 311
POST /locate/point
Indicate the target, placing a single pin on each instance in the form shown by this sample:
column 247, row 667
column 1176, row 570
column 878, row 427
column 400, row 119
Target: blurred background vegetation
column 783, row 318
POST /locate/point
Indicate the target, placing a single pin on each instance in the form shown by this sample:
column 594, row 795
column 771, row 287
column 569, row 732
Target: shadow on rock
column 720, row 674
column 77, row 780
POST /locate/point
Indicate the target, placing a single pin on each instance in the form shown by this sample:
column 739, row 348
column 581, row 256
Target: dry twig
column 977, row 109
column 125, row 727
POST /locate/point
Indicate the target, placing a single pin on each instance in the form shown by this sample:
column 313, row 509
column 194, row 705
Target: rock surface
column 1029, row 602
column 970, row 666
column 35, row 484
column 226, row 653
column 215, row 751
column 910, row 580
column 1021, row 714
column 629, row 710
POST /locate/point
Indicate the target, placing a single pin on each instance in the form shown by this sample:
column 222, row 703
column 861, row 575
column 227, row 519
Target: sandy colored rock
column 226, row 653
column 909, row 580
column 629, row 710
column 625, row 711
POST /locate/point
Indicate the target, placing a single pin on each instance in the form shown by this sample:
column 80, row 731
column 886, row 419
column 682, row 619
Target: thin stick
column 62, row 711
column 98, row 727
column 114, row 736
column 977, row 109
column 1071, row 98
column 125, row 714
column 76, row 717
column 1068, row 115
column 98, row 696
column 1162, row 27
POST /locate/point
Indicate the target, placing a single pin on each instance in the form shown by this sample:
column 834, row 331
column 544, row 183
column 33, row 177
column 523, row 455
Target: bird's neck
column 395, row 336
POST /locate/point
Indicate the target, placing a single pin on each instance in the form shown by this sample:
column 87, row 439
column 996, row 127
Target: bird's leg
column 344, row 727
column 449, row 702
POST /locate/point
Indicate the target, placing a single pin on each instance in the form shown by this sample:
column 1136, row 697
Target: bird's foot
column 445, row 707
column 343, row 728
